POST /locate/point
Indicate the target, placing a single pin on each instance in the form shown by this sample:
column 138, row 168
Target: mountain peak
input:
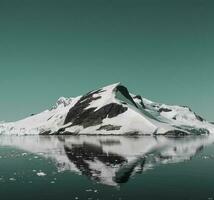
column 111, row 110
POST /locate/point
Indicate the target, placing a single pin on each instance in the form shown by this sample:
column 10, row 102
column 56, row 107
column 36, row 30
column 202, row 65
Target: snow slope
column 111, row 110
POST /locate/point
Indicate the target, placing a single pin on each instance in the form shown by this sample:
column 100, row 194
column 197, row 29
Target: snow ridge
column 110, row 110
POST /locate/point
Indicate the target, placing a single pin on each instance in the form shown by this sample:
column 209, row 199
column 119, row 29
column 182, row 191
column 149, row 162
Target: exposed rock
column 110, row 110
column 124, row 91
column 175, row 133
column 80, row 115
column 131, row 133
column 90, row 117
column 141, row 100
column 199, row 131
column 79, row 107
column 110, row 142
column 164, row 110
column 198, row 117
column 109, row 127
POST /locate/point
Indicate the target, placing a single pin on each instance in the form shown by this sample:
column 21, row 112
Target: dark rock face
column 141, row 100
column 174, row 118
column 109, row 127
column 90, row 117
column 164, row 110
column 191, row 130
column 125, row 93
column 79, row 115
column 199, row 131
column 198, row 117
column 110, row 142
column 175, row 133
column 79, row 107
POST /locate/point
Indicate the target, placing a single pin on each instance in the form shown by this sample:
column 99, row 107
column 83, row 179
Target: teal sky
column 161, row 49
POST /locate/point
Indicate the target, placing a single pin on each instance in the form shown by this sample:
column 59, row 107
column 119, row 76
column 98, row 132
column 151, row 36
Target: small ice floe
column 52, row 182
column 41, row 174
column 76, row 198
column 89, row 190
column 34, row 170
column 205, row 157
column 12, row 179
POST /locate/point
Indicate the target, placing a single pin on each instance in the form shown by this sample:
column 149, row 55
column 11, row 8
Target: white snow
column 49, row 120
column 40, row 174
column 107, row 96
column 135, row 120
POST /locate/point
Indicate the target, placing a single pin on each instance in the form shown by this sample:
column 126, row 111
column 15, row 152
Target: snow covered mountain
column 111, row 110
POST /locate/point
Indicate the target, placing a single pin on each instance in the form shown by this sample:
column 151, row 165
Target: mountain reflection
column 110, row 160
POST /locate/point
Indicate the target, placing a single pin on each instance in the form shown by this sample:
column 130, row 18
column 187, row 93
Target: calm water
column 106, row 167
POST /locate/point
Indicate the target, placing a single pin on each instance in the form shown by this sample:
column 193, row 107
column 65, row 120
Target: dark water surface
column 106, row 167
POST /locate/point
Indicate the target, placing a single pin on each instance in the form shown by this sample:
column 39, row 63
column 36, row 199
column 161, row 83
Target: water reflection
column 110, row 160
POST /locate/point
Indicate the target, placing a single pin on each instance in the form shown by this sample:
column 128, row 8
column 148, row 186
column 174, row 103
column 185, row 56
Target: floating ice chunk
column 89, row 190
column 41, row 174
column 205, row 157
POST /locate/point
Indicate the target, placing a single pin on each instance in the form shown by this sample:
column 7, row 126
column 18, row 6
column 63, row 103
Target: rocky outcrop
column 81, row 115
column 109, row 127
column 164, row 110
